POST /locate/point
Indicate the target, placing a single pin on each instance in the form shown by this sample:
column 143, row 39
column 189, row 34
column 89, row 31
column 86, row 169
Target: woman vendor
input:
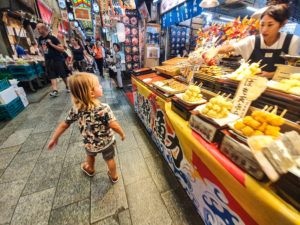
column 269, row 45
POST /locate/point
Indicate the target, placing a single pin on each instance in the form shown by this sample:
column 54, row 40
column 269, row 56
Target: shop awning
column 185, row 11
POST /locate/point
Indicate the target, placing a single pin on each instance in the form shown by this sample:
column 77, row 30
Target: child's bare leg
column 90, row 160
column 111, row 164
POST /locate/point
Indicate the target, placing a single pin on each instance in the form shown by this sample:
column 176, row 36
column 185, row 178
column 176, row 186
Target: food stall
column 230, row 137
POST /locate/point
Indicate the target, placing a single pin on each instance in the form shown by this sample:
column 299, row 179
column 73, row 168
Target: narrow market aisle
column 38, row 186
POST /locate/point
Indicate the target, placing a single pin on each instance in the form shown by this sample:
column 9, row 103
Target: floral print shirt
column 94, row 126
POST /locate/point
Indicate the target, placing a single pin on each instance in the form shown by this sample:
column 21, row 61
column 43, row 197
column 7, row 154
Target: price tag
column 241, row 155
column 206, row 130
column 249, row 90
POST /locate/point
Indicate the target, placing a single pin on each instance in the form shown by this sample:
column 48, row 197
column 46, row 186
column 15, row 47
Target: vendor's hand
column 123, row 137
column 209, row 55
column 52, row 144
column 268, row 75
column 49, row 41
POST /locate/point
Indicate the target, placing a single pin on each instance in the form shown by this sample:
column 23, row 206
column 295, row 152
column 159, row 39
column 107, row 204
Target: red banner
column 45, row 12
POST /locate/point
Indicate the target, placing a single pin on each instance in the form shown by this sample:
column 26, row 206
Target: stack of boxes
column 12, row 99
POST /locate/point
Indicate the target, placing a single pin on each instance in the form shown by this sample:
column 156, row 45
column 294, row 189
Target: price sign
column 206, row 130
column 249, row 90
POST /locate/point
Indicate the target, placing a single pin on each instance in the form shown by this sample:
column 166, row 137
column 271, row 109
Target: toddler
column 96, row 122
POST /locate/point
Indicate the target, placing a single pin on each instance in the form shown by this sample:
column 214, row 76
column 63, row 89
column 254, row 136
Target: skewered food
column 192, row 94
column 217, row 107
column 261, row 123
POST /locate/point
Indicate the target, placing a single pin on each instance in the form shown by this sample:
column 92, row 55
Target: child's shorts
column 107, row 154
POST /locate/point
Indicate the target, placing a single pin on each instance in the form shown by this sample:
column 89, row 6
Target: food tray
column 164, row 88
column 179, row 96
column 220, row 122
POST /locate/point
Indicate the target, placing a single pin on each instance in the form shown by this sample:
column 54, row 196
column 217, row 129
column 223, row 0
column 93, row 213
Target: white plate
column 180, row 97
column 221, row 122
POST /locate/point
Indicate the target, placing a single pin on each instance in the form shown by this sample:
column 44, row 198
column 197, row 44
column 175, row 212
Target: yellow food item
column 217, row 107
column 247, row 131
column 192, row 94
column 260, row 123
column 239, row 125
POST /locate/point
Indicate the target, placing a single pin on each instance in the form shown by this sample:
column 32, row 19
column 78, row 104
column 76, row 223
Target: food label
column 249, row 90
column 206, row 130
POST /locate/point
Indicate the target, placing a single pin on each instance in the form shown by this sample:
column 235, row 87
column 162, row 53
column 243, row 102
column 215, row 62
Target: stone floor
column 38, row 186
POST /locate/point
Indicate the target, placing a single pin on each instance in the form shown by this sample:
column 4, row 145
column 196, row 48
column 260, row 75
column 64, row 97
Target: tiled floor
column 38, row 186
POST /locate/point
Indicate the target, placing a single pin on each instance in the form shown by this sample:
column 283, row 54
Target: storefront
column 202, row 116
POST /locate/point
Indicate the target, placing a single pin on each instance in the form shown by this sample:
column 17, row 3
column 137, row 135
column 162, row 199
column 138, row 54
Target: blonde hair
column 81, row 86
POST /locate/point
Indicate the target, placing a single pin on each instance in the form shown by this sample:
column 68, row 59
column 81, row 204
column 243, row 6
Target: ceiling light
column 226, row 19
column 209, row 3
column 252, row 9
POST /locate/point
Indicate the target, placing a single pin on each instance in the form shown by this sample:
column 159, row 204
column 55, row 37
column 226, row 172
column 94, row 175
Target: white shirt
column 245, row 47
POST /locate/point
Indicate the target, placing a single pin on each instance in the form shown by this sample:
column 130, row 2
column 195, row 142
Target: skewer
column 263, row 66
column 265, row 108
column 228, row 96
column 275, row 110
column 269, row 109
column 283, row 113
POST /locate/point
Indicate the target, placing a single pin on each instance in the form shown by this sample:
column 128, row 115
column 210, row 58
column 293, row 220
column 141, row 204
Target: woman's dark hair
column 117, row 45
column 280, row 13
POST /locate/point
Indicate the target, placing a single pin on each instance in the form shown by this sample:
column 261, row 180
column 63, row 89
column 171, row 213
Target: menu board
column 166, row 5
column 132, row 57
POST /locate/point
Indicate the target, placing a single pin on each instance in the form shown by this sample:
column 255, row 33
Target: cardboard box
column 7, row 95
column 24, row 100
column 20, row 91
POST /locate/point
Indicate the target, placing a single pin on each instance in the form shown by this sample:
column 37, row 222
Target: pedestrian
column 79, row 55
column 98, row 55
column 118, row 65
column 87, row 46
column 54, row 62
column 96, row 122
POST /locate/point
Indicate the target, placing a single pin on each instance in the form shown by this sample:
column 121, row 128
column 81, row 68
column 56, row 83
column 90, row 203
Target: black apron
column 270, row 57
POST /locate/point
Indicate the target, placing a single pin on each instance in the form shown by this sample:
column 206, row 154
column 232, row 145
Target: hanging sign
column 249, row 90
column 166, row 5
column 82, row 14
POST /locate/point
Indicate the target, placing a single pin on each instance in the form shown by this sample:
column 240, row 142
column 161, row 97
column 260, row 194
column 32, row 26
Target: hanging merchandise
column 82, row 3
column 132, row 57
column 127, row 4
column 121, row 32
column 116, row 8
column 178, row 40
column 143, row 10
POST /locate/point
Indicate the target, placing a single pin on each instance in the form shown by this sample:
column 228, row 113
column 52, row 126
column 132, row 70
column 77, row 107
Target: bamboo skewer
column 283, row 113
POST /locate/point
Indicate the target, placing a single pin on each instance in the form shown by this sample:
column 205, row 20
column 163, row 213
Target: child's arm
column 58, row 132
column 117, row 128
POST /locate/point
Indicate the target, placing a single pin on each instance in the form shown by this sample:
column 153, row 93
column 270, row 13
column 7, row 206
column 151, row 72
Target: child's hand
column 52, row 143
column 123, row 137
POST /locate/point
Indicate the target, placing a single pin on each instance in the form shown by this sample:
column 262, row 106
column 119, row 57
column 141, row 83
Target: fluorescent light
column 226, row 19
column 252, row 9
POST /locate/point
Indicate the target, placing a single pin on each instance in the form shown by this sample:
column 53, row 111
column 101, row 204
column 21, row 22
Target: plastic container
column 4, row 84
column 11, row 110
